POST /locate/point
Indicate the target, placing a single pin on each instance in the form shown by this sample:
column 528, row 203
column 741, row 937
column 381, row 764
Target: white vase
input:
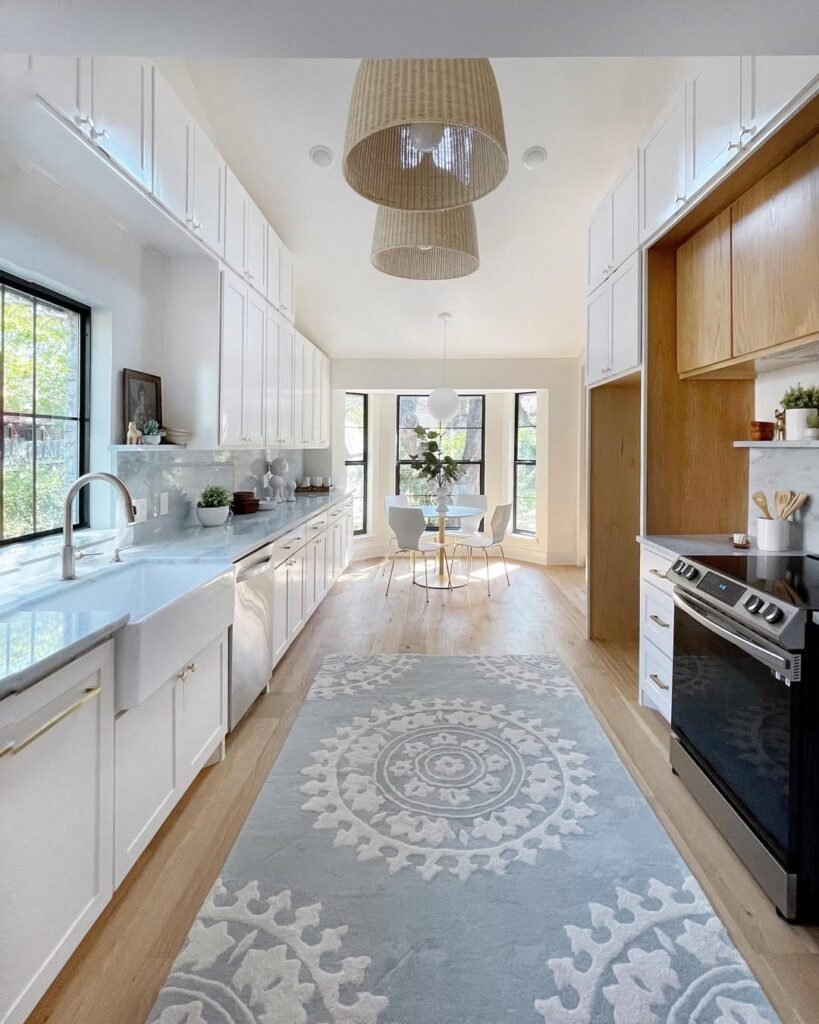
column 795, row 422
column 442, row 503
column 212, row 516
column 152, row 439
column 811, row 433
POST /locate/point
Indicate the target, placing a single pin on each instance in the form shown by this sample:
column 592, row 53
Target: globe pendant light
column 434, row 245
column 425, row 134
column 443, row 403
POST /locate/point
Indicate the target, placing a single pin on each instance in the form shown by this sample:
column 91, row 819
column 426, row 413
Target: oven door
column 731, row 711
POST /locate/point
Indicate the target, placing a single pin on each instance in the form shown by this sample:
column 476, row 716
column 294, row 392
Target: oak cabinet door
column 704, row 296
column 775, row 255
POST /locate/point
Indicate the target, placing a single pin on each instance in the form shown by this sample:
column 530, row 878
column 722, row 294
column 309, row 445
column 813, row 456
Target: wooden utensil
column 761, row 503
column 782, row 500
column 796, row 502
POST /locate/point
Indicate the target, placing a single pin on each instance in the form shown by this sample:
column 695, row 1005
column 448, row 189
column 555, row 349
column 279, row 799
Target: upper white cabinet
column 121, row 109
column 65, row 85
column 280, row 277
column 613, row 324
column 245, row 234
column 173, row 127
column 662, row 166
column 207, row 189
column 256, row 242
column 714, row 124
column 288, row 285
column 242, row 364
column 286, row 389
column 598, row 329
column 613, row 231
column 768, row 86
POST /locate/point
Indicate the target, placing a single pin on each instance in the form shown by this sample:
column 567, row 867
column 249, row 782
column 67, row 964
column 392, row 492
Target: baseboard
column 372, row 547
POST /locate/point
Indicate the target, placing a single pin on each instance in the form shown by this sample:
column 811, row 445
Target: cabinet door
column 288, row 284
column 234, row 307
column 274, row 270
column 713, row 115
column 295, row 593
column 172, row 126
column 662, row 167
column 598, row 334
column 768, row 86
column 338, row 547
column 271, row 380
column 309, row 393
column 318, row 396
column 65, row 84
column 624, row 217
column 704, row 296
column 208, row 192
column 256, row 245
column 287, row 384
column 201, row 709
column 253, row 382
column 624, row 288
column 235, row 200
column 775, row 256
column 147, row 785
column 326, row 401
column 310, row 592
column 321, row 565
column 298, row 390
column 56, row 823
column 599, row 243
column 122, row 108
column 280, row 634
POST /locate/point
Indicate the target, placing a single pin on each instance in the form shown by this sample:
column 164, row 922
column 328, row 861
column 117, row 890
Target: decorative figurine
column 779, row 429
column 278, row 467
column 134, row 435
column 290, row 490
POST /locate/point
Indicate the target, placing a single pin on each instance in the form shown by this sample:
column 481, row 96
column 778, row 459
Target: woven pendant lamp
column 426, row 246
column 425, row 134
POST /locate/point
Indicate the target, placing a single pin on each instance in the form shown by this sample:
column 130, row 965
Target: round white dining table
column 440, row 579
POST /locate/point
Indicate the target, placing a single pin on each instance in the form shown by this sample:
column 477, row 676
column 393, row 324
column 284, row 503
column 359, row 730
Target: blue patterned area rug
column 453, row 840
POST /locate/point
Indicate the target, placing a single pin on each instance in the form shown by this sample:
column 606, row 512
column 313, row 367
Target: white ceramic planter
column 773, row 534
column 811, row 433
column 442, row 503
column 212, row 516
column 796, row 423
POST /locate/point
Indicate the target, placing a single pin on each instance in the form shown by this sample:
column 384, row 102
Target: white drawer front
column 657, row 617
column 290, row 543
column 655, row 678
column 653, row 568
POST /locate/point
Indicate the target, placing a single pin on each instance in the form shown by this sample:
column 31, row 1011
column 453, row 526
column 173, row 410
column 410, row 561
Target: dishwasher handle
column 255, row 570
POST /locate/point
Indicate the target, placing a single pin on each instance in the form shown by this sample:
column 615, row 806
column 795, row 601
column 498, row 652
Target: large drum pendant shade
column 427, row 246
column 425, row 134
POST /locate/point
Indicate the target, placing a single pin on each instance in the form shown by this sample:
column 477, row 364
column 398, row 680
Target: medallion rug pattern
column 453, row 840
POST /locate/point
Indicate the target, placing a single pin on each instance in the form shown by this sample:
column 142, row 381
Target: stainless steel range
column 745, row 712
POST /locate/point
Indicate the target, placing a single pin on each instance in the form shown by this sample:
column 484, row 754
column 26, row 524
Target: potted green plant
column 798, row 403
column 811, row 431
column 213, row 506
column 432, row 465
column 152, row 432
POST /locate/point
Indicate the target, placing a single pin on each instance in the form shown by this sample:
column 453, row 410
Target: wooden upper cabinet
column 775, row 255
column 704, row 296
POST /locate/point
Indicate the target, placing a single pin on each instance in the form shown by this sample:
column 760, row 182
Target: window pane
column 469, row 480
column 525, row 498
column 407, row 444
column 354, row 427
column 417, row 489
column 18, row 476
column 58, row 352
column 412, row 412
column 526, row 442
column 58, row 464
column 18, row 353
column 355, row 482
column 462, row 445
column 470, row 413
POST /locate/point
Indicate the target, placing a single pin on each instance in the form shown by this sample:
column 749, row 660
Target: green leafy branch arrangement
column 214, row 497
column 798, row 397
column 429, row 462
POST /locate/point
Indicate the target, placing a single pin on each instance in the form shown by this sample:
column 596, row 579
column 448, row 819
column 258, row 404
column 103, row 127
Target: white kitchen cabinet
column 256, row 245
column 65, row 85
column 242, row 364
column 172, row 128
column 613, row 324
column 598, row 334
column 769, row 84
column 713, row 120
column 245, row 234
column 308, row 394
column 273, row 279
column 349, row 531
column 295, row 592
column 314, row 573
column 287, row 385
column 326, row 400
column 207, row 188
column 253, row 360
column 662, row 166
column 299, row 342
column 56, row 823
column 201, row 687
column 598, row 245
column 287, row 288
column 122, row 113
column 613, row 231
column 281, row 637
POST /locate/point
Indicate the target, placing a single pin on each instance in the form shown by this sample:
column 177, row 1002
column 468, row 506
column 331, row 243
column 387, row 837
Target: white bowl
column 212, row 516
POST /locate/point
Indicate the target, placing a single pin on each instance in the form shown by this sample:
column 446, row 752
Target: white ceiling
column 528, row 297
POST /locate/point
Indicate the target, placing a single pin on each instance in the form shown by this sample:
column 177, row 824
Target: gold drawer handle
column 186, row 671
column 659, row 621
column 658, row 572
column 656, row 679
column 15, row 748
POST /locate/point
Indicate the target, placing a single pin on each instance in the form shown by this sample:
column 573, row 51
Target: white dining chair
column 483, row 542
column 469, row 524
column 409, row 525
column 392, row 501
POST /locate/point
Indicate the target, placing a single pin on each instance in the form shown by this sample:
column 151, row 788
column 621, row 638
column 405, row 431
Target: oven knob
column 678, row 566
column 772, row 613
column 690, row 572
column 753, row 604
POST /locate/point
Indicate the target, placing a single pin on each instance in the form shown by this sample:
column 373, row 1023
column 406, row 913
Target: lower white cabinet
column 281, row 637
column 162, row 744
column 56, row 823
column 656, row 632
column 295, row 592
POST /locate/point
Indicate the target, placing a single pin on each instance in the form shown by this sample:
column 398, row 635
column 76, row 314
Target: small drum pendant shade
column 432, row 246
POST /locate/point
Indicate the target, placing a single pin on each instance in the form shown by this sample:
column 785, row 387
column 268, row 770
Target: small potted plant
column 213, row 506
column 811, row 431
column 152, row 432
column 799, row 403
column 428, row 462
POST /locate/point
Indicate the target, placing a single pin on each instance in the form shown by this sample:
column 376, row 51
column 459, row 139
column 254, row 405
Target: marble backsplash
column 783, row 469
column 183, row 474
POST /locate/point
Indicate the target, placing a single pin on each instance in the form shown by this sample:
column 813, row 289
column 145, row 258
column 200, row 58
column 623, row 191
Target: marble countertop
column 693, row 544
column 35, row 642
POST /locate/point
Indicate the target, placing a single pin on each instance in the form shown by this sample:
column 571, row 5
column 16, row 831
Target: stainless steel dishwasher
column 251, row 643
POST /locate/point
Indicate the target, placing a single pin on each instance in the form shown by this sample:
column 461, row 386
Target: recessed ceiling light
column 322, row 156
column 534, row 157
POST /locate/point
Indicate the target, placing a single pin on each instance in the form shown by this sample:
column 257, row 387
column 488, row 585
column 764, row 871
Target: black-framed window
column 462, row 438
column 44, row 362
column 524, row 514
column 355, row 455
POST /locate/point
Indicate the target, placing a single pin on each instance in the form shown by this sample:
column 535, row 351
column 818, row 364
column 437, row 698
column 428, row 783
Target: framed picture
column 142, row 397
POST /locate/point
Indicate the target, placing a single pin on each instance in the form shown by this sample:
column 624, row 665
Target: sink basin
column 176, row 608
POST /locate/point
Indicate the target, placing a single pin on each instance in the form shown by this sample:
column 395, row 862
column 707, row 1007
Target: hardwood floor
column 114, row 976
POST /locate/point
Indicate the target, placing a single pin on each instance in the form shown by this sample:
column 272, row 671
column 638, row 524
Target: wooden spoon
column 796, row 502
column 761, row 503
column 781, row 499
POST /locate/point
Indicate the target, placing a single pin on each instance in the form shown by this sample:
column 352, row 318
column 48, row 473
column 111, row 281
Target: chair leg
column 486, row 557
column 387, row 556
column 454, row 559
column 392, row 568
column 426, row 578
column 503, row 556
column 448, row 570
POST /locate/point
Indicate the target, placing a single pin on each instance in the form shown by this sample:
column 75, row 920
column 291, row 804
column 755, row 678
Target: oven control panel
column 778, row 619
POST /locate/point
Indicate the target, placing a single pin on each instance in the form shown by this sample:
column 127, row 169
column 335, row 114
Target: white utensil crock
column 773, row 534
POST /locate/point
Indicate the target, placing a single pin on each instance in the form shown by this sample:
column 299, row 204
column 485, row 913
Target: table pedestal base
column 439, row 580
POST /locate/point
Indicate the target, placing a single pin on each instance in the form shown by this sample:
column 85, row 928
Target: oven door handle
column 777, row 662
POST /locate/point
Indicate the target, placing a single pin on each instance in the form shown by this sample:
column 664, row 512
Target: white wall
column 558, row 384
column 771, row 386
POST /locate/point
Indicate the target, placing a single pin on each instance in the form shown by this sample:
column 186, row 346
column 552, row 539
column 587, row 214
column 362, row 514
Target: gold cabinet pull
column 659, row 621
column 89, row 694
column 656, row 679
